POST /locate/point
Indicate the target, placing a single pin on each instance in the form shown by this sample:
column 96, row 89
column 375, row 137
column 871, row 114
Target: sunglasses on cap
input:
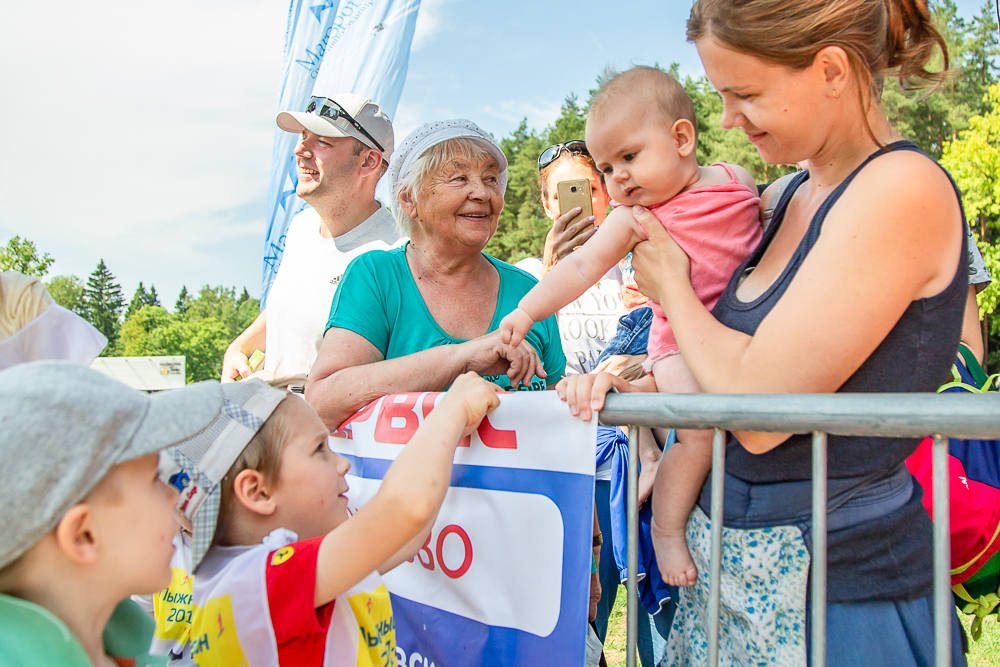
column 324, row 106
column 551, row 154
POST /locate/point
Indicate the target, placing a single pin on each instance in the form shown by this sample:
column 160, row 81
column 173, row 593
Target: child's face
column 133, row 518
column 309, row 494
column 637, row 153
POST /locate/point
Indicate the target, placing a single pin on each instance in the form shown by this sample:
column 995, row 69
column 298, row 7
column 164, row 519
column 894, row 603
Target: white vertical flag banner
column 332, row 46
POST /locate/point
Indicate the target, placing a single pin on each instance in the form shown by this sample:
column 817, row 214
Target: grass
column 984, row 653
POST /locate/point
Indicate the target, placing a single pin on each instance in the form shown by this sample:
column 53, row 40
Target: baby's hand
column 514, row 327
column 471, row 397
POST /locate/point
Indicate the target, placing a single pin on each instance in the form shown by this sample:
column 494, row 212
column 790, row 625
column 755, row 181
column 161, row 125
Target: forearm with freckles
column 339, row 394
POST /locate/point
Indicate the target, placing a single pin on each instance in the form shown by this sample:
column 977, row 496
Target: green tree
column 571, row 124
column 67, row 291
column 152, row 331
column 183, row 300
column 974, row 163
column 931, row 120
column 139, row 299
column 139, row 335
column 22, row 256
column 202, row 343
column 220, row 303
column 104, row 302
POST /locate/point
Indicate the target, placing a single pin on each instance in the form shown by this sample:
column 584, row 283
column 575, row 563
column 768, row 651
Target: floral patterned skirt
column 765, row 572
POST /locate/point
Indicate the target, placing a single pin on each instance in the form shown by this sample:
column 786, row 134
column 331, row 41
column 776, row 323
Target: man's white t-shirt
column 298, row 305
column 588, row 324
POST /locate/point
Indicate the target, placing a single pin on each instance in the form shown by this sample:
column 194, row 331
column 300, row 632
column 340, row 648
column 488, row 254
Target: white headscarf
column 429, row 135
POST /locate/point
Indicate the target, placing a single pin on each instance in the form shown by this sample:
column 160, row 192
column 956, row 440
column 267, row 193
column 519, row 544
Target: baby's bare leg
column 681, row 474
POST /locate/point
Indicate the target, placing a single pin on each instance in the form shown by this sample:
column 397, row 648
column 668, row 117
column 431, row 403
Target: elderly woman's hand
column 487, row 355
column 658, row 262
column 564, row 238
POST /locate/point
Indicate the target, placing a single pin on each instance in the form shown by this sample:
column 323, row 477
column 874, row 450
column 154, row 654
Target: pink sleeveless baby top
column 718, row 226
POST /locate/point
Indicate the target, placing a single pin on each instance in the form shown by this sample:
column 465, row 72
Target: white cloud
column 429, row 23
column 539, row 114
column 140, row 133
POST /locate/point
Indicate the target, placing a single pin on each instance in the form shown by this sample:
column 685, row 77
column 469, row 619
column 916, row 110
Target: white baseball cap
column 343, row 115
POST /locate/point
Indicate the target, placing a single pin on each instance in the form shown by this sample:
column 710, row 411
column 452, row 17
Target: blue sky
column 140, row 132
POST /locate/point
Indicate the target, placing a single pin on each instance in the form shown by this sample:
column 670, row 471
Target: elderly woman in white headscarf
column 416, row 317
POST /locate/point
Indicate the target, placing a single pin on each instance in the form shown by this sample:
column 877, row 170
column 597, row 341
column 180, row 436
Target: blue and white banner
column 503, row 579
column 332, row 46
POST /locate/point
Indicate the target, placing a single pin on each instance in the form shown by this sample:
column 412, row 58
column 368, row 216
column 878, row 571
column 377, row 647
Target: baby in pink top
column 641, row 132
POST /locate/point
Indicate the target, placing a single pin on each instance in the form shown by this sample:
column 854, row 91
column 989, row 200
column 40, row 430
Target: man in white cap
column 345, row 147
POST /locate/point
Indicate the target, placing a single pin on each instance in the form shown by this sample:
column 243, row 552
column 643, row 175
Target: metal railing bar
column 886, row 415
column 818, row 574
column 715, row 566
column 632, row 555
column 943, row 605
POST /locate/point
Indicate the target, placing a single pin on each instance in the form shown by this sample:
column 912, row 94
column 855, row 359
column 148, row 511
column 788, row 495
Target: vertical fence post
column 632, row 556
column 818, row 573
column 943, row 605
column 715, row 566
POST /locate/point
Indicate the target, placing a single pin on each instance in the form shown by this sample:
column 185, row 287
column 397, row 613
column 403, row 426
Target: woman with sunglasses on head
column 858, row 285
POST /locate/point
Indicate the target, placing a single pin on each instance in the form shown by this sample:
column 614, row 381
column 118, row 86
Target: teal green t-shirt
column 378, row 299
column 31, row 635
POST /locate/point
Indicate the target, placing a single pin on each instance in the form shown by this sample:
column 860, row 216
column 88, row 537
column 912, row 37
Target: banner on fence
column 332, row 46
column 503, row 578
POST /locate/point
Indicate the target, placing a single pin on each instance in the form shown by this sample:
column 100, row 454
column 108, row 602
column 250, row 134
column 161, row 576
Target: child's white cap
column 202, row 461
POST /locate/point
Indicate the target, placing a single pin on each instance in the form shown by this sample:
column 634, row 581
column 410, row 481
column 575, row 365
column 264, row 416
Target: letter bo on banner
column 503, row 578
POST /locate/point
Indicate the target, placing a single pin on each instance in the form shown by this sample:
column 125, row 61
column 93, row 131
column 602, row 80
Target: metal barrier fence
column 887, row 415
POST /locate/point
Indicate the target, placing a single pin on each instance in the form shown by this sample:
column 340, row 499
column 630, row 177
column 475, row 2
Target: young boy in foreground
column 281, row 574
column 86, row 521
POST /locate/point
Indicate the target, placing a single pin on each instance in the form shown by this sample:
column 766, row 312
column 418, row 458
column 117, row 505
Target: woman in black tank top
column 858, row 285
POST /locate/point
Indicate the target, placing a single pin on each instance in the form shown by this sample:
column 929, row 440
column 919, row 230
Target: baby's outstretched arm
column 574, row 275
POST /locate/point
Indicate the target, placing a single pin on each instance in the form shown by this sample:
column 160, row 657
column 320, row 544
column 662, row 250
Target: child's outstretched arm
column 411, row 494
column 574, row 275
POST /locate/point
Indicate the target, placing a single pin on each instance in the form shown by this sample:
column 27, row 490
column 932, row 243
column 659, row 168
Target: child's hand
column 472, row 397
column 514, row 327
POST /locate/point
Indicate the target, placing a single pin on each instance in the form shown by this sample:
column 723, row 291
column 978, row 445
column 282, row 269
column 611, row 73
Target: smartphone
column 573, row 194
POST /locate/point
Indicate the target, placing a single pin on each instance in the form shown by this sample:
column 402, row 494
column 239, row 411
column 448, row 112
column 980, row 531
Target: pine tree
column 104, row 302
column 183, row 301
column 139, row 299
column 154, row 299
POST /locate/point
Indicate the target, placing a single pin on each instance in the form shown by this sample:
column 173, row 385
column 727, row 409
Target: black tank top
column 916, row 355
